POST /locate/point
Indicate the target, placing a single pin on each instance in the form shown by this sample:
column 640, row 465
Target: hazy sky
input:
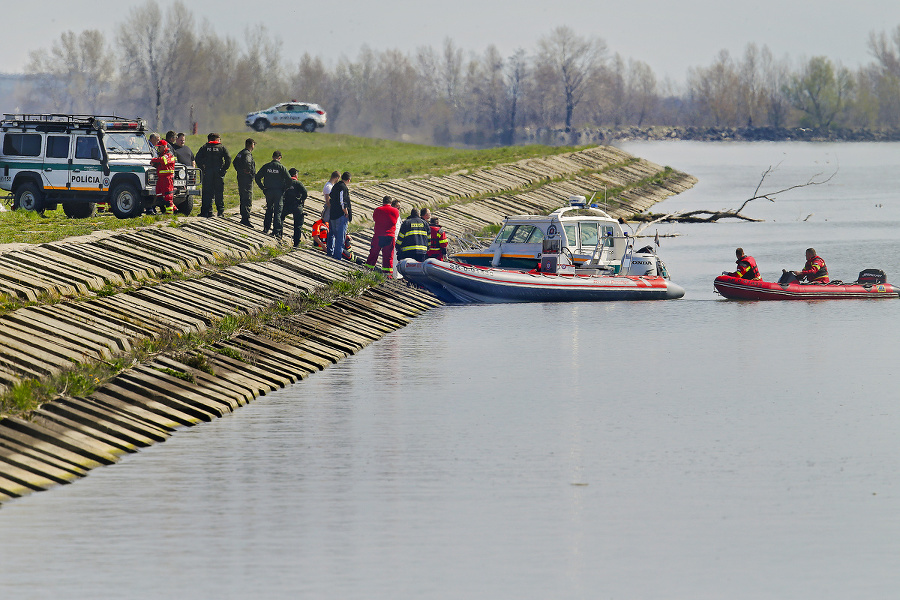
column 669, row 35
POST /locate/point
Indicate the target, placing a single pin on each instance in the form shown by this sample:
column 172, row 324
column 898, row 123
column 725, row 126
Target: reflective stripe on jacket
column 413, row 236
column 747, row 268
column 815, row 270
column 437, row 248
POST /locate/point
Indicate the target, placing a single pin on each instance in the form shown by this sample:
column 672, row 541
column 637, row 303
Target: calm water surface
column 698, row 448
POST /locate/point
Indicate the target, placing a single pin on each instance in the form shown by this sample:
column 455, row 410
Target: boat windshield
column 526, row 234
column 571, row 234
column 505, row 233
column 588, row 234
column 521, row 234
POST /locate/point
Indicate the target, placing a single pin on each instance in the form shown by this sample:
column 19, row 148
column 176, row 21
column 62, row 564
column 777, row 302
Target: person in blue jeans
column 340, row 213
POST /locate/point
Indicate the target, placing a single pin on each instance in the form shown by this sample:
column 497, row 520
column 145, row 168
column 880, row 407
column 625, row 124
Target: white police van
column 82, row 160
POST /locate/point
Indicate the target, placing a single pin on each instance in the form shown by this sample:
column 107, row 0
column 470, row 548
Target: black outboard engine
column 787, row 277
column 871, row 277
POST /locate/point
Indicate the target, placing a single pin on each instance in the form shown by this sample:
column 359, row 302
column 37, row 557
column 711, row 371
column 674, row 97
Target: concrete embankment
column 65, row 438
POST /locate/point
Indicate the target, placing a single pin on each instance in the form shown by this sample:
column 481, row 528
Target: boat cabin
column 587, row 237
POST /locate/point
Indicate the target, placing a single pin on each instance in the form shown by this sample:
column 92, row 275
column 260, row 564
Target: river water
column 698, row 448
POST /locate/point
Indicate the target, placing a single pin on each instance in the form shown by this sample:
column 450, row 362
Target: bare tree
column 450, row 69
column 713, row 91
column 573, row 60
column 143, row 43
column 76, row 74
column 641, row 91
column 516, row 73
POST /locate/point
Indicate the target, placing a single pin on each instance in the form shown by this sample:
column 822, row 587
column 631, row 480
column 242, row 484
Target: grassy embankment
column 314, row 155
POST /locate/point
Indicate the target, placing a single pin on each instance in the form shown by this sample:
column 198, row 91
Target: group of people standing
column 814, row 271
column 420, row 236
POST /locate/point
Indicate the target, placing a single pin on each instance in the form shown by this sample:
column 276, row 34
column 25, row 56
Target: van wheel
column 186, row 206
column 79, row 210
column 260, row 125
column 308, row 126
column 125, row 201
column 29, row 196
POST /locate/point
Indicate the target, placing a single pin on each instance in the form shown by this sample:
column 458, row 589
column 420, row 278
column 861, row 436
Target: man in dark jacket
column 213, row 160
column 294, row 199
column 245, row 167
column 413, row 238
column 274, row 179
column 340, row 215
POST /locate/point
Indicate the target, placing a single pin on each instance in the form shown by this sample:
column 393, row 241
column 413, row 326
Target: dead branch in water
column 711, row 216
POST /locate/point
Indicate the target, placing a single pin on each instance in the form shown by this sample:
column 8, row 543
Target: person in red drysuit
column 746, row 266
column 385, row 217
column 165, row 175
column 814, row 271
column 437, row 246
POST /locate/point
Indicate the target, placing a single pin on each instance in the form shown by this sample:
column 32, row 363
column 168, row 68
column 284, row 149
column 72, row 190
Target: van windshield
column 126, row 143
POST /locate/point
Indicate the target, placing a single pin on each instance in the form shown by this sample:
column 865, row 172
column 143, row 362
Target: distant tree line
column 169, row 68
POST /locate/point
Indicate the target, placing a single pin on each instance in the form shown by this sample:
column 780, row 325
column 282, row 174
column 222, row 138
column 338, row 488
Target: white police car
column 293, row 114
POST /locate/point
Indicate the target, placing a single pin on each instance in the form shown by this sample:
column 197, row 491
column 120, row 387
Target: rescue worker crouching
column 320, row 235
column 746, row 266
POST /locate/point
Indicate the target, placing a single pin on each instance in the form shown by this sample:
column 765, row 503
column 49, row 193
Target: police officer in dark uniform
column 273, row 178
column 245, row 166
column 213, row 160
column 294, row 199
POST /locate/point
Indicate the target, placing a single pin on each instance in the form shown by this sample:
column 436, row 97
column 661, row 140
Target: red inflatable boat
column 871, row 285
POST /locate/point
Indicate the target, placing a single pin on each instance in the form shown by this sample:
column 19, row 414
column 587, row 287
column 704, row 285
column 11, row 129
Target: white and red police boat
column 454, row 282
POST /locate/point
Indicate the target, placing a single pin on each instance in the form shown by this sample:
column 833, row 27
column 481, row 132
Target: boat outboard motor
column 641, row 263
column 787, row 277
column 871, row 277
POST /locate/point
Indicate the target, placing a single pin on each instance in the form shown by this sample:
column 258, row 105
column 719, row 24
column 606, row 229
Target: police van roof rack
column 70, row 121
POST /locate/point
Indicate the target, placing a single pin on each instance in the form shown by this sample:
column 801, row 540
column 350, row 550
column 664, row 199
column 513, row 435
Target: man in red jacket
column 814, row 271
column 165, row 175
column 385, row 217
column 746, row 266
column 437, row 246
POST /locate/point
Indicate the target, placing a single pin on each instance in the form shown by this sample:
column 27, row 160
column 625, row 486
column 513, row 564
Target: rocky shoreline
column 607, row 135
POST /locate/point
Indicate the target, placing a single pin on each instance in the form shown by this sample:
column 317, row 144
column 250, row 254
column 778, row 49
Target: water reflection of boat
column 871, row 285
column 455, row 282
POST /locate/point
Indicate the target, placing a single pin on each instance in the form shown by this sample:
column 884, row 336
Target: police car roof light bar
column 87, row 121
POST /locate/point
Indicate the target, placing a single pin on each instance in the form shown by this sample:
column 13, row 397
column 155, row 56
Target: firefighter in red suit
column 437, row 246
column 385, row 217
column 746, row 266
column 814, row 271
column 165, row 175
column 319, row 234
